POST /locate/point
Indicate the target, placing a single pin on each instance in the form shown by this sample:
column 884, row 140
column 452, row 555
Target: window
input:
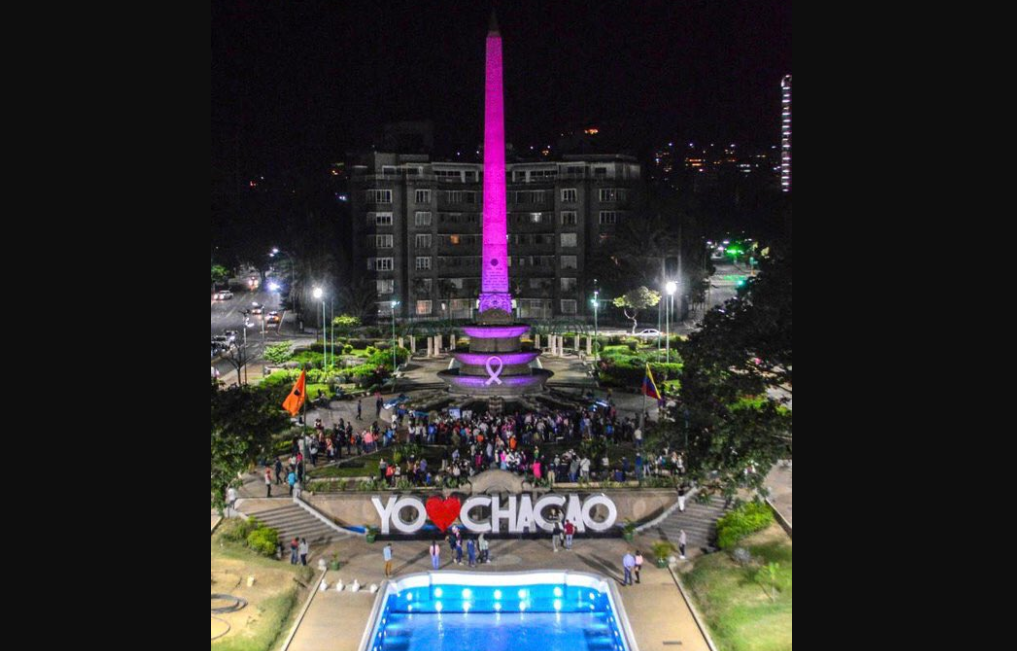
column 385, row 264
column 383, row 219
column 390, row 171
column 383, row 241
column 424, row 264
column 536, row 218
column 422, row 219
column 570, row 196
column 569, row 218
column 542, row 175
column 537, row 283
column 569, row 284
column 371, row 264
column 456, row 197
column 600, row 172
column 569, row 262
column 423, row 241
column 611, row 195
column 531, row 197
column 423, row 308
column 462, row 304
column 386, row 286
column 448, row 175
column 423, row 196
column 568, row 240
column 378, row 196
column 568, row 307
column 608, row 218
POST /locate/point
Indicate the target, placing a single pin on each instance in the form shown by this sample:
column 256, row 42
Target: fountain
column 496, row 368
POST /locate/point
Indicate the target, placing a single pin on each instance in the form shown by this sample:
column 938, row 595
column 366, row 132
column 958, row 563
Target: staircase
column 292, row 521
column 699, row 521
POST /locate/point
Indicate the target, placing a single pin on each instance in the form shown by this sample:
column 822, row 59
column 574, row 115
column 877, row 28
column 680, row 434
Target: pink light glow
column 479, row 382
column 510, row 359
column 507, row 332
column 495, row 272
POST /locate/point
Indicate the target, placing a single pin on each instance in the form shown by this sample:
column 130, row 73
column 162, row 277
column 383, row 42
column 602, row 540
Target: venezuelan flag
column 649, row 386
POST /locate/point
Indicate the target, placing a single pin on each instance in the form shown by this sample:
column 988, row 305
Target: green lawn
column 738, row 611
column 273, row 600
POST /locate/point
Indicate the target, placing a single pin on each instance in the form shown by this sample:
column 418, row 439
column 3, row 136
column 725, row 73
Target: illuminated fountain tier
column 496, row 365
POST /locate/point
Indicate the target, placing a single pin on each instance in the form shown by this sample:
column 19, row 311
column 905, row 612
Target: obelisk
column 495, row 299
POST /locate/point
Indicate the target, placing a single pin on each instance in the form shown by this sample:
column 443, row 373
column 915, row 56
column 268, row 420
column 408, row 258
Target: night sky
column 296, row 85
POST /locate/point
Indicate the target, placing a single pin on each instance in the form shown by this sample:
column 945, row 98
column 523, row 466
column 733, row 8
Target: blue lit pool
column 539, row 611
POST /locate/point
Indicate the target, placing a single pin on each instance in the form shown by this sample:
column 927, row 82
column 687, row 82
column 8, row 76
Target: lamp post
column 319, row 295
column 596, row 323
column 672, row 287
column 395, row 352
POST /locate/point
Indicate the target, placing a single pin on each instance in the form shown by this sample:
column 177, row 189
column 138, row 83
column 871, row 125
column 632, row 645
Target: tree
column 345, row 324
column 219, row 274
column 360, row 299
column 279, row 353
column 635, row 301
column 728, row 421
column 244, row 421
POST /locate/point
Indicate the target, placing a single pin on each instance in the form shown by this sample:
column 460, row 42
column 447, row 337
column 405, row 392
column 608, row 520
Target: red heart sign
column 443, row 513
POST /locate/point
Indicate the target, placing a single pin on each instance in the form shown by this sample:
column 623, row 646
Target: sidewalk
column 779, row 483
column 658, row 614
column 215, row 521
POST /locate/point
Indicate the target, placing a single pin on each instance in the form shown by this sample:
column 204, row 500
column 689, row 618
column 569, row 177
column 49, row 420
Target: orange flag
column 297, row 396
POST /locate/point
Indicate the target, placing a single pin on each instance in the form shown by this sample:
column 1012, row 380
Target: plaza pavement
column 779, row 483
column 336, row 621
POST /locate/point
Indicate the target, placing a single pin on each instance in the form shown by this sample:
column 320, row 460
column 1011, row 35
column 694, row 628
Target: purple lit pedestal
column 496, row 365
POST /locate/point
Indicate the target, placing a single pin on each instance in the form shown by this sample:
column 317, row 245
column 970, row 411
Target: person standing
column 628, row 564
column 681, row 500
column 639, row 565
column 291, row 480
column 638, row 437
column 570, row 531
column 388, row 560
column 471, row 552
column 231, row 501
column 683, row 542
column 379, row 404
column 360, row 410
column 279, row 477
column 304, row 550
column 294, row 551
column 435, row 555
column 485, row 549
column 268, row 482
column 555, row 534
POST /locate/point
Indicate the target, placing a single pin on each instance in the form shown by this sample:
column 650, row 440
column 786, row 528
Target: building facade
column 417, row 231
column 785, row 169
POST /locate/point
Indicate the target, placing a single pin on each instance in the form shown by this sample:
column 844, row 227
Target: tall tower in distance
column 494, row 272
column 785, row 163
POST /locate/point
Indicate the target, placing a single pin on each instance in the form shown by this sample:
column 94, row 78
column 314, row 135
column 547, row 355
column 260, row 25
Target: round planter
column 334, row 566
column 371, row 538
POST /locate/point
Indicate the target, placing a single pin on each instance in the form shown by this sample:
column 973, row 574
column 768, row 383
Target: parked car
column 649, row 333
column 224, row 295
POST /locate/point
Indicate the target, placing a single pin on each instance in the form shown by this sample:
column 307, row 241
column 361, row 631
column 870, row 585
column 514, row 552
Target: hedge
column 742, row 522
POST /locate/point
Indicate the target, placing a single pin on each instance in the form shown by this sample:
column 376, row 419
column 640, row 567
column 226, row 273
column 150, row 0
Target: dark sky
column 296, row 84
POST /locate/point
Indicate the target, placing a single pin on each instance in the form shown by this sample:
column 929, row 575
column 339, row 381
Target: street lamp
column 672, row 287
column 319, row 295
column 395, row 351
column 596, row 322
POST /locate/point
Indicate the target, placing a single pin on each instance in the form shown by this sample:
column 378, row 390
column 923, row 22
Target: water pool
column 539, row 611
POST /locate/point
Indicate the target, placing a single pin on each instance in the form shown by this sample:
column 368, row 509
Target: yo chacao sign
column 514, row 514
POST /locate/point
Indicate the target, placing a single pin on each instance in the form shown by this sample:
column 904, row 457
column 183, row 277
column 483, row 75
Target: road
column 226, row 315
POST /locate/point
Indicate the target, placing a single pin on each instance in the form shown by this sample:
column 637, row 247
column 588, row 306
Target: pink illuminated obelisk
column 495, row 272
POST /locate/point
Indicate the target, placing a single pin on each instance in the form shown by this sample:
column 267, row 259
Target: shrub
column 743, row 521
column 663, row 549
column 347, row 349
column 633, row 344
column 279, row 353
column 237, row 530
column 263, row 541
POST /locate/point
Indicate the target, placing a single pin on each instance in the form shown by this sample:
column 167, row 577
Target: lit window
column 424, row 308
column 386, row 286
column 569, row 262
column 568, row 240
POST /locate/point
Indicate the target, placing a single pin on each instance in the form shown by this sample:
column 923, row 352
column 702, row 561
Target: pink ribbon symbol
column 494, row 373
